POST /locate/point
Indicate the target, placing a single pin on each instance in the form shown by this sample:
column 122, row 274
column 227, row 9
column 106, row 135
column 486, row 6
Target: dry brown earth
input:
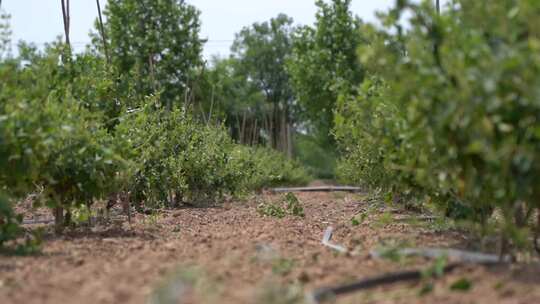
column 232, row 254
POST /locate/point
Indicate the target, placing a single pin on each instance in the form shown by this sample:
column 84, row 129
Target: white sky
column 40, row 21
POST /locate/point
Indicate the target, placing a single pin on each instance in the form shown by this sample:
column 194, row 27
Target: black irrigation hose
column 326, row 293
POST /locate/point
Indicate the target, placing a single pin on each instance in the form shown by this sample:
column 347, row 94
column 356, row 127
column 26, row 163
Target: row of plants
column 449, row 112
column 71, row 134
column 161, row 157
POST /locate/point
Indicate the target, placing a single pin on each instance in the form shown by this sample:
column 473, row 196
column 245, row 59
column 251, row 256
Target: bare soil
column 232, row 254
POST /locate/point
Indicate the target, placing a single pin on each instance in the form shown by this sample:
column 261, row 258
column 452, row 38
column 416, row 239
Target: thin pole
column 103, row 37
column 65, row 15
column 438, row 6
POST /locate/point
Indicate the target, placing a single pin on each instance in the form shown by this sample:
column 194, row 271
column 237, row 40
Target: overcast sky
column 40, row 21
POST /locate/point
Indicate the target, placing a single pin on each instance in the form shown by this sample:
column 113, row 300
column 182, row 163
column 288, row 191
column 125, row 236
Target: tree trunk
column 271, row 130
column 284, row 134
column 289, row 141
column 67, row 219
column 267, row 127
column 243, row 131
column 211, row 105
column 275, row 126
column 58, row 219
column 255, row 137
column 238, row 127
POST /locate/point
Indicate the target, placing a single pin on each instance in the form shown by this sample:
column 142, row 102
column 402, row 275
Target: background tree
column 156, row 43
column 261, row 51
column 228, row 97
column 5, row 34
column 324, row 63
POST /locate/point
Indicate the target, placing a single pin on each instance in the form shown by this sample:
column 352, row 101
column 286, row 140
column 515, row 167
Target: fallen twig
column 326, row 241
column 318, row 189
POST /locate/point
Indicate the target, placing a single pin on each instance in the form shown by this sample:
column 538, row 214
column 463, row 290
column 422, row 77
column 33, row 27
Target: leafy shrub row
column 72, row 137
column 176, row 159
column 57, row 145
column 451, row 112
column 268, row 168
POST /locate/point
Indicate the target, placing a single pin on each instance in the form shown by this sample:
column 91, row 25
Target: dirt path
column 232, row 254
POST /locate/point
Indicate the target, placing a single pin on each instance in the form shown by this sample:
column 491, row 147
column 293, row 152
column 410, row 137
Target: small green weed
column 290, row 205
column 152, row 220
column 499, row 285
column 82, row 215
column 271, row 209
column 384, row 220
column 436, row 270
column 426, row 289
column 293, row 205
column 462, row 284
column 359, row 219
column 282, row 266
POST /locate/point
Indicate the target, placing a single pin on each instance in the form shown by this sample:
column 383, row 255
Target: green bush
column 83, row 164
column 367, row 128
column 178, row 160
column 287, row 205
column 50, row 136
column 268, row 168
column 457, row 116
column 60, row 146
column 9, row 222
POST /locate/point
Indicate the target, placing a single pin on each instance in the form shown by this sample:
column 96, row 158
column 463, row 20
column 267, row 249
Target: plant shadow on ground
column 114, row 226
column 523, row 273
